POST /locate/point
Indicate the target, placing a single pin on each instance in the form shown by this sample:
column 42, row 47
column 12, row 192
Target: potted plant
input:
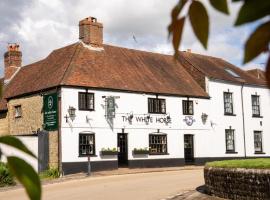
column 108, row 151
column 141, row 150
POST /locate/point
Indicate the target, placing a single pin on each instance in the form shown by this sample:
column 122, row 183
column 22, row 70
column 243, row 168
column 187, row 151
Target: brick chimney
column 91, row 32
column 12, row 60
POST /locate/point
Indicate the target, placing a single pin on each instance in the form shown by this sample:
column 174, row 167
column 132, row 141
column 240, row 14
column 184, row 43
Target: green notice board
column 50, row 114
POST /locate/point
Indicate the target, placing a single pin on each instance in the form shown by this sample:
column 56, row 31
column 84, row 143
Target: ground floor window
column 158, row 144
column 258, row 141
column 230, row 141
column 86, row 144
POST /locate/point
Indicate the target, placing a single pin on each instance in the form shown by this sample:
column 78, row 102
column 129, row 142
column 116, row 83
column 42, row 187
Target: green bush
column 6, row 177
column 50, row 173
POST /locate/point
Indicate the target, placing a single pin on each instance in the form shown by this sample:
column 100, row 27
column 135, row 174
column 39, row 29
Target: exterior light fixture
column 71, row 113
column 204, row 118
column 168, row 117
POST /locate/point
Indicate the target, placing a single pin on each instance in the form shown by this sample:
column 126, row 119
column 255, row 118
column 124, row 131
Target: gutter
column 243, row 120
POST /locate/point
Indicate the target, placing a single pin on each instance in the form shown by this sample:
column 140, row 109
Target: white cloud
column 44, row 25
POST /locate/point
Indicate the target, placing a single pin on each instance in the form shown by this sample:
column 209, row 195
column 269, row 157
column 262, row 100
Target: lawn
column 258, row 163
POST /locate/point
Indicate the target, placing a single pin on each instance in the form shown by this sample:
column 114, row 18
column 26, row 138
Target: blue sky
column 41, row 26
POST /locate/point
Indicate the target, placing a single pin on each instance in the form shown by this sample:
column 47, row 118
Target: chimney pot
column 91, row 31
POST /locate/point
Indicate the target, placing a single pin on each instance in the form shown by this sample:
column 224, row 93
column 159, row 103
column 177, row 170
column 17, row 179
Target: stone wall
column 30, row 121
column 32, row 116
column 4, row 124
column 240, row 184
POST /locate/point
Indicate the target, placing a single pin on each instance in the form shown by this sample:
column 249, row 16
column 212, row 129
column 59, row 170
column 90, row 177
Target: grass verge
column 258, row 163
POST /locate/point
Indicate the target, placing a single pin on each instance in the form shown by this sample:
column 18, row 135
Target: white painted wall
column 138, row 132
column 209, row 138
column 31, row 142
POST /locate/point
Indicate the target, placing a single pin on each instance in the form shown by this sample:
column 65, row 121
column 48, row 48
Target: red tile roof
column 217, row 68
column 113, row 68
column 258, row 73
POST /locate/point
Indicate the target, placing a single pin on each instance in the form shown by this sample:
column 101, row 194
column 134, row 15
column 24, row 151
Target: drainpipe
column 59, row 95
column 243, row 118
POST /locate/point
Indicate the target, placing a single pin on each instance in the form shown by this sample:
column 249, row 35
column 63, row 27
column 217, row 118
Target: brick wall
column 238, row 184
column 4, row 124
column 31, row 120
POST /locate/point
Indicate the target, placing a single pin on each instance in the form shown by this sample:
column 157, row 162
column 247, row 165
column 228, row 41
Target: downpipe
column 243, row 120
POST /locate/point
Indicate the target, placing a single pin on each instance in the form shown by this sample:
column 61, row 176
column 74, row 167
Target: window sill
column 158, row 154
column 259, row 152
column 227, row 114
column 231, row 152
column 154, row 113
column 86, row 109
column 256, row 116
column 81, row 156
column 189, row 114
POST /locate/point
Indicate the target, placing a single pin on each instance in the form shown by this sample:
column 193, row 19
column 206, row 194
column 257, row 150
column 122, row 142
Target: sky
column 40, row 26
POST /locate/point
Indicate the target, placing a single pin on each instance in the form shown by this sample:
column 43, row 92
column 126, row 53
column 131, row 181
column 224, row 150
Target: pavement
column 174, row 183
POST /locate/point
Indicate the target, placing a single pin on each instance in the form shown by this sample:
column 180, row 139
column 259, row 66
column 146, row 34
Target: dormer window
column 156, row 105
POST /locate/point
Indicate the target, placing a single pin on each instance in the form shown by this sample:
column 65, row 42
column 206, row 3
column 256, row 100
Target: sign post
column 50, row 113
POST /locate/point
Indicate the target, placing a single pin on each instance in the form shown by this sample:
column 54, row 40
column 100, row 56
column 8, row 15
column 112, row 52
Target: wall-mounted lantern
column 204, row 118
column 71, row 113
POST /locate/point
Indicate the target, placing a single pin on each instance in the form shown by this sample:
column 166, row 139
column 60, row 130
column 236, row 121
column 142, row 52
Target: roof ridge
column 65, row 74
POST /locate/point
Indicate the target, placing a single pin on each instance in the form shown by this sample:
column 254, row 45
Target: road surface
column 142, row 186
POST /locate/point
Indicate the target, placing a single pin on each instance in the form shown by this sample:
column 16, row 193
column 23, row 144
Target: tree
column 250, row 11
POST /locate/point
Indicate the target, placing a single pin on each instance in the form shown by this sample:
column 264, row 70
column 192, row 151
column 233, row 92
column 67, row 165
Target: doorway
column 189, row 148
column 122, row 145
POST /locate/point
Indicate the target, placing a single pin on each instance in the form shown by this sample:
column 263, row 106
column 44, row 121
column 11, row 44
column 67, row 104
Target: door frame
column 192, row 159
column 125, row 161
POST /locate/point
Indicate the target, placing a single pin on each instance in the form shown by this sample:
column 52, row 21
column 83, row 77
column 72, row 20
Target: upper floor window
column 228, row 103
column 255, row 100
column 86, row 101
column 156, row 105
column 258, row 142
column 158, row 144
column 86, row 144
column 187, row 107
column 18, row 111
column 230, row 141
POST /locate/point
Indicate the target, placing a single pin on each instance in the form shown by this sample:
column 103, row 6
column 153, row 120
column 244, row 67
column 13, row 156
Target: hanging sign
column 110, row 107
column 50, row 114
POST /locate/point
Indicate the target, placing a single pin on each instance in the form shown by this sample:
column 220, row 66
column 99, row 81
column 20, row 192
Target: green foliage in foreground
column 258, row 163
column 50, row 174
column 6, row 177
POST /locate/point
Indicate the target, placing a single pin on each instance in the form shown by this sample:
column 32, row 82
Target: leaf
column 199, row 22
column 177, row 9
column 257, row 42
column 252, row 10
column 268, row 71
column 220, row 5
column 26, row 175
column 16, row 143
column 177, row 30
column 174, row 14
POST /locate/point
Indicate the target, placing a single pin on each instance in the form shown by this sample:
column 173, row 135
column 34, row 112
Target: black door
column 189, row 150
column 122, row 149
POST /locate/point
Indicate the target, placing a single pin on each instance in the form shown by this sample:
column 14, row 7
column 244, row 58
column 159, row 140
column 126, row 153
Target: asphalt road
column 143, row 186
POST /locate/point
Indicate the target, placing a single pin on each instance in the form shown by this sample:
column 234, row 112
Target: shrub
column 50, row 173
column 6, row 177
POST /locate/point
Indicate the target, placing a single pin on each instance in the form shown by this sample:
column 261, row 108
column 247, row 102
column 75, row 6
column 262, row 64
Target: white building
column 146, row 109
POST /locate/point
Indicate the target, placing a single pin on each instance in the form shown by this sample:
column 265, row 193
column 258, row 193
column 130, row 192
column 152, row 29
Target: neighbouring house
column 123, row 107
